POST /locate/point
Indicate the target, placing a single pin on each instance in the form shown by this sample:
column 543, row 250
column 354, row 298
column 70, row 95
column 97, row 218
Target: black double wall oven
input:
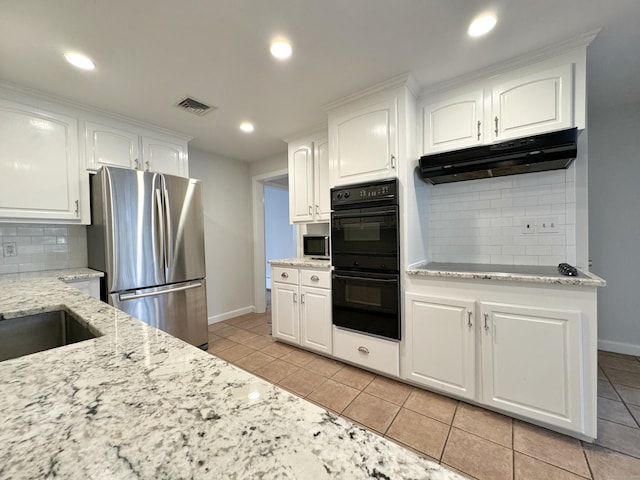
column 365, row 252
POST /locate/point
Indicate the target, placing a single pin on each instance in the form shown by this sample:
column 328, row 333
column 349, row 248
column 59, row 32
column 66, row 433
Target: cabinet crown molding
column 403, row 79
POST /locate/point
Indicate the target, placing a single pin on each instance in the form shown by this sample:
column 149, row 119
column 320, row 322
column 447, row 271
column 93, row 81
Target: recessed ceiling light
column 80, row 61
column 281, row 49
column 482, row 25
column 246, row 127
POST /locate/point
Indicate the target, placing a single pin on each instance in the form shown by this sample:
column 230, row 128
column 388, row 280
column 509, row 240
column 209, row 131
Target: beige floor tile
column 300, row 358
column 216, row 327
column 608, row 465
column 333, row 395
column 615, row 412
column 242, row 336
column 302, row 382
column 277, row 349
column 324, row 366
column 477, row 457
column 622, row 377
column 276, row 371
column 390, row 390
column 606, row 390
column 629, row 395
column 635, row 411
column 432, row 405
column 252, row 322
column 220, row 344
column 419, row 432
column 258, row 342
column 550, row 447
column 261, row 329
column 235, row 353
column 372, row 412
column 484, row 423
column 618, row 437
column 621, row 363
column 240, row 319
column 227, row 331
column 254, row 361
column 529, row 468
column 354, row 377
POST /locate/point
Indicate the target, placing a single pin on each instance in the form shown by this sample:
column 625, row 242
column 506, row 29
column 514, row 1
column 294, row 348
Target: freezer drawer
column 179, row 309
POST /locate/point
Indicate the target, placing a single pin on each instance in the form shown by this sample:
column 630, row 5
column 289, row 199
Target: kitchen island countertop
column 139, row 403
column 515, row 273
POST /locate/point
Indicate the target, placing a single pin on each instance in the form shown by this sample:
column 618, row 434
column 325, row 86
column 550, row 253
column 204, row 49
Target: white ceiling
column 151, row 53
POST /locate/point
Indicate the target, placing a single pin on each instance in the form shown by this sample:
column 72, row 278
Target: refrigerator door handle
column 131, row 296
column 167, row 233
column 161, row 234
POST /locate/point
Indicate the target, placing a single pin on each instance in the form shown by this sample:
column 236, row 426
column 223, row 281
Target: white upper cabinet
column 309, row 179
column 364, row 142
column 454, row 122
column 531, row 104
column 164, row 156
column 105, row 145
column 39, row 161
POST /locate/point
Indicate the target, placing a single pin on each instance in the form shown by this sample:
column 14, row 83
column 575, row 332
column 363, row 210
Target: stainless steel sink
column 43, row 331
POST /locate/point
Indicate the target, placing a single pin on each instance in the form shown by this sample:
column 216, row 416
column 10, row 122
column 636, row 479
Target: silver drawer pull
column 364, row 350
column 314, row 278
column 284, row 275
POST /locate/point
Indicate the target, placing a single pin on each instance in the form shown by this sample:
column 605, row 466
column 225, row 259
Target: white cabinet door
column 536, row 103
column 532, row 362
column 110, row 146
column 301, row 182
column 315, row 319
column 285, row 319
column 164, row 156
column 322, row 193
column 363, row 143
column 39, row 162
column 440, row 341
column 454, row 122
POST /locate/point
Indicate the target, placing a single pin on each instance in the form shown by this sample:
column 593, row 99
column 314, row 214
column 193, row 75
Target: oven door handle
column 365, row 214
column 369, row 279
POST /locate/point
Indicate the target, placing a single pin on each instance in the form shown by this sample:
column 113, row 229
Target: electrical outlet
column 529, row 225
column 548, row 225
column 9, row 249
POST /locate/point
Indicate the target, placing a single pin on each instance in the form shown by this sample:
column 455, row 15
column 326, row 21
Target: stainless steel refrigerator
column 147, row 236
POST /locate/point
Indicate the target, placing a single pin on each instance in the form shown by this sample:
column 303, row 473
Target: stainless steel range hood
column 548, row 151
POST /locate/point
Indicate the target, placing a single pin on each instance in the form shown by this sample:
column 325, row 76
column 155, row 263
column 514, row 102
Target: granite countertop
column 67, row 274
column 139, row 403
column 515, row 273
column 301, row 262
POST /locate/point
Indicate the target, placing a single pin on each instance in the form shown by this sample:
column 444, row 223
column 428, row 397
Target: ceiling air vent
column 192, row 105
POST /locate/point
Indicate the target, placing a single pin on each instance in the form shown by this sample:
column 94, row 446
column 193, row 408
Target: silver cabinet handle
column 479, row 123
column 496, row 130
column 147, row 164
column 302, row 298
column 314, row 278
column 77, row 208
column 317, row 210
column 486, row 320
column 295, row 298
column 136, row 163
column 310, row 210
column 469, row 324
column 364, row 350
column 393, row 161
column 284, row 275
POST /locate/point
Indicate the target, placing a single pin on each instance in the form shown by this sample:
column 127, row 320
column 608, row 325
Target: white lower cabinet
column 301, row 307
column 532, row 362
column 369, row 352
column 440, row 340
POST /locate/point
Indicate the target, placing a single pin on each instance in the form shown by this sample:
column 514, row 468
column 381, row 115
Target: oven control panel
column 381, row 192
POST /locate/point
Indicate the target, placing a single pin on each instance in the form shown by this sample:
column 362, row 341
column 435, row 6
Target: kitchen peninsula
column 138, row 403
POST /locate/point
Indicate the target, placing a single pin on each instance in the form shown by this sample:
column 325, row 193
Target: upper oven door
column 365, row 238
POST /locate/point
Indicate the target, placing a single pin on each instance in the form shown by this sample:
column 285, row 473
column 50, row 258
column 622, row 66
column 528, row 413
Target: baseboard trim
column 233, row 313
column 619, row 347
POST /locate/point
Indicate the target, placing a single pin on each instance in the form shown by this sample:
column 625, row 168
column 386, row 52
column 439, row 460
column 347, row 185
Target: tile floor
column 470, row 440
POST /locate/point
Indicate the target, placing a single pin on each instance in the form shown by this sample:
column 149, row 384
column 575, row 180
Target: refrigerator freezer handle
column 131, row 296
column 168, row 233
column 161, row 220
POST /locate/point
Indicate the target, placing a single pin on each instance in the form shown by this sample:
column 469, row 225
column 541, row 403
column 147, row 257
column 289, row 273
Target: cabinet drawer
column 284, row 275
column 315, row 278
column 369, row 352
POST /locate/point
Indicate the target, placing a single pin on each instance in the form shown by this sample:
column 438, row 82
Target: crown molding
column 403, row 79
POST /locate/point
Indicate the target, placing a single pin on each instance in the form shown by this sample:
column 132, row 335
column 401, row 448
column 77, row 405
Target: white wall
column 614, row 224
column 228, row 233
column 279, row 234
column 270, row 164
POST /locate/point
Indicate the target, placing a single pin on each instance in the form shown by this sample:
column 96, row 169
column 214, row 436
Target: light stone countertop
column 514, row 273
column 66, row 274
column 301, row 262
column 137, row 403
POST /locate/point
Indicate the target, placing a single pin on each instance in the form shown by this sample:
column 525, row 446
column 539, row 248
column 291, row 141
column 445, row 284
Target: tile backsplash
column 36, row 247
column 481, row 221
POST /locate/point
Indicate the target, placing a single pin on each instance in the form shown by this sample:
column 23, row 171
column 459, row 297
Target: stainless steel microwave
column 315, row 246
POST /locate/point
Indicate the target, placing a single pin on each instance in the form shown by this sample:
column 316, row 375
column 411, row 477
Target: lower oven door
column 367, row 302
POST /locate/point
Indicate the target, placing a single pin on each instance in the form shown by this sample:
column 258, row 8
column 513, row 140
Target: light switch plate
column 529, row 225
column 9, row 249
column 548, row 225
